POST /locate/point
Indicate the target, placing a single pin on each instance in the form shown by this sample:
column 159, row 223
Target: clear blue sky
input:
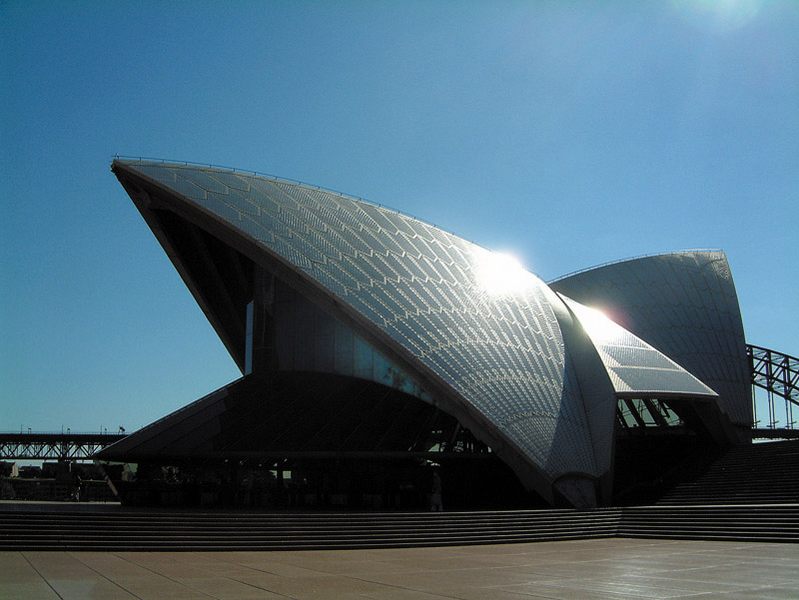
column 569, row 133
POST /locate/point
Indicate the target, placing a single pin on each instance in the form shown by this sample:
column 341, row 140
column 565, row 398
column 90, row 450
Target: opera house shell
column 363, row 333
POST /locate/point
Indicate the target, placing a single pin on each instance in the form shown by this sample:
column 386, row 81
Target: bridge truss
column 54, row 446
column 778, row 375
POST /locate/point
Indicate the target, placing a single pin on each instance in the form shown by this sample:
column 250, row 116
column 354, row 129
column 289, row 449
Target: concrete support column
column 260, row 352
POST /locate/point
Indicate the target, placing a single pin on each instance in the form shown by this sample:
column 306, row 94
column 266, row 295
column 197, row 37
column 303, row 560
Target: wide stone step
column 126, row 530
column 299, row 545
column 212, row 531
column 298, row 531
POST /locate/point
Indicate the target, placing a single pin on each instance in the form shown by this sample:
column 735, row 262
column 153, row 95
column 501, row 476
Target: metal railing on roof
column 276, row 178
column 630, row 259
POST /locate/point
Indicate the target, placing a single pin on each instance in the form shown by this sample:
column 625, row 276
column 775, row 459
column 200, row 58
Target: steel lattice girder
column 38, row 446
column 774, row 371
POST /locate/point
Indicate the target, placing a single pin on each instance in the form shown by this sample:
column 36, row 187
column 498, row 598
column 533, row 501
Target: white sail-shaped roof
column 685, row 305
column 467, row 318
column 533, row 374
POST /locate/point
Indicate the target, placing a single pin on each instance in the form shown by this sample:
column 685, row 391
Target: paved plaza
column 584, row 569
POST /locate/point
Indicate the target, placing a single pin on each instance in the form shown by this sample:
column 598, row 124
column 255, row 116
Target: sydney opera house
column 379, row 352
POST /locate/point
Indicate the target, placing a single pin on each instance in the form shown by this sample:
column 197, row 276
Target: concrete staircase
column 127, row 530
column 122, row 529
column 750, row 523
column 751, row 493
column 766, row 473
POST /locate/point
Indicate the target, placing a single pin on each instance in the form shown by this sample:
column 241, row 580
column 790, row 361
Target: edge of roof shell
column 134, row 160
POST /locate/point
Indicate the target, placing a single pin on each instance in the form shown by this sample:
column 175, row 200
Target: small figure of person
column 435, row 497
column 77, row 487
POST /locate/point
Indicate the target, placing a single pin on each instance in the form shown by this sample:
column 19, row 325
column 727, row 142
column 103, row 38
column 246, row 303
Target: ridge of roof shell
column 129, row 160
column 132, row 161
column 630, row 259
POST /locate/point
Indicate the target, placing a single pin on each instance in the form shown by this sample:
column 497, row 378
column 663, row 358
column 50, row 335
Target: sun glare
column 499, row 273
column 719, row 15
column 599, row 327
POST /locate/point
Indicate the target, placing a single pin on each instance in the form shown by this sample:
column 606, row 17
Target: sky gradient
column 567, row 133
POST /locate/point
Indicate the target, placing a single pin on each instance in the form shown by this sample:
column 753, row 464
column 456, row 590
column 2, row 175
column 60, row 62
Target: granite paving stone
column 615, row 568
